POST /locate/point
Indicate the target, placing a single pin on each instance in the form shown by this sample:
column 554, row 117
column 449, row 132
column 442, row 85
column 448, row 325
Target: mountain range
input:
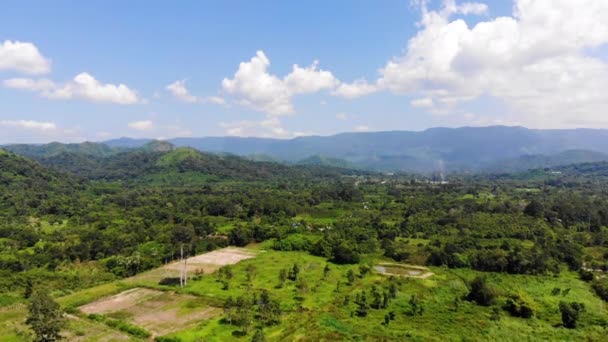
column 467, row 149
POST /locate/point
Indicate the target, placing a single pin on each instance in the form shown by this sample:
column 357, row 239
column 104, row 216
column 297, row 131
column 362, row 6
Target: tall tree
column 45, row 317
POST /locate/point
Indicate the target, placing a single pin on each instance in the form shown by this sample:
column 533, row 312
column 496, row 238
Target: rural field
column 315, row 306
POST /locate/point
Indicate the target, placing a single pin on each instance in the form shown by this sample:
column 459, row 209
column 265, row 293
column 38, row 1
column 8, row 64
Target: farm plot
column 159, row 312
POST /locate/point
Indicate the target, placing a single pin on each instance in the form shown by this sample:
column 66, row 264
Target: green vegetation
column 339, row 254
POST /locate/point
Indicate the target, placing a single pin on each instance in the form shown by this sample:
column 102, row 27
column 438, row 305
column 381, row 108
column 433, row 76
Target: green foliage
column 570, row 313
column 120, row 325
column 45, row 317
column 481, row 293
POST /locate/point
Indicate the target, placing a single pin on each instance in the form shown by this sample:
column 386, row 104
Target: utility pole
column 186, row 271
column 181, row 271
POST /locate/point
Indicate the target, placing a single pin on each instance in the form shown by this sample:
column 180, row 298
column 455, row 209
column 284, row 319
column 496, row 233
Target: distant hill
column 160, row 162
column 527, row 162
column 55, row 148
column 320, row 160
column 432, row 150
column 25, row 185
column 127, row 142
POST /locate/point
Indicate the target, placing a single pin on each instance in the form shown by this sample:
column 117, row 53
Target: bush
column 481, row 293
column 518, row 308
column 601, row 289
column 570, row 313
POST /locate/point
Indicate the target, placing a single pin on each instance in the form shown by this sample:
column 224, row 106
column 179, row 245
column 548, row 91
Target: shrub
column 481, row 293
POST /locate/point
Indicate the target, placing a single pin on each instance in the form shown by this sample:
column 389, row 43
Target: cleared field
column 403, row 270
column 159, row 312
column 210, row 262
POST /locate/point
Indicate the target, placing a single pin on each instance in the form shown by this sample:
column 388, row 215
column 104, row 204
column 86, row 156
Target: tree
column 350, row 276
column 45, row 317
column 534, row 209
column 282, row 277
column 362, row 305
column 416, row 306
column 293, row 274
column 570, row 313
column 259, row 336
column 480, row 292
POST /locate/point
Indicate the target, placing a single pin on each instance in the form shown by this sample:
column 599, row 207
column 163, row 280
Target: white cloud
column 450, row 7
column 144, row 125
column 29, row 84
column 268, row 128
column 83, row 86
column 255, row 87
column 215, row 100
column 33, row 131
column 342, row 116
column 309, row 80
column 361, row 128
column 29, row 124
column 535, row 61
column 355, row 89
column 425, row 102
column 23, row 57
column 178, row 89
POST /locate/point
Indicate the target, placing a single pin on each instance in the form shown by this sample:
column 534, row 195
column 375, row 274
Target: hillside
column 453, row 149
column 27, row 187
column 528, row 162
column 161, row 162
column 55, row 148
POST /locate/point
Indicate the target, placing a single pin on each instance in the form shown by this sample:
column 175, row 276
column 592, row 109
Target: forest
column 332, row 253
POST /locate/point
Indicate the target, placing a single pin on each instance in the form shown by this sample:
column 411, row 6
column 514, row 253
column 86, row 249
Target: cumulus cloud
column 355, row 89
column 535, row 61
column 179, row 91
column 33, row 131
column 23, row 57
column 268, row 128
column 83, row 86
column 309, row 79
column 257, row 88
column 361, row 128
column 422, row 103
column 29, row 124
column 144, row 125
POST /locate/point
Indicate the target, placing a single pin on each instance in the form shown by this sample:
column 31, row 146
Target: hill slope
column 454, row 149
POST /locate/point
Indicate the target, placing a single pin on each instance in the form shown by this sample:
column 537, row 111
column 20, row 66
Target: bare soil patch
column 158, row 312
column 210, row 262
column 403, row 270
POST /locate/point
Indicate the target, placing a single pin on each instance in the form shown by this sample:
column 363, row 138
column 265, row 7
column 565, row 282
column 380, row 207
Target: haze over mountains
column 474, row 149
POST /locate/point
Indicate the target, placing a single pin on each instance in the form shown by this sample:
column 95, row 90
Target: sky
column 72, row 71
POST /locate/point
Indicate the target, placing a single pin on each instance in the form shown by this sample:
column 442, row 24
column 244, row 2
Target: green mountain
column 179, row 166
column 55, row 148
column 528, row 162
column 321, row 160
column 431, row 150
column 27, row 186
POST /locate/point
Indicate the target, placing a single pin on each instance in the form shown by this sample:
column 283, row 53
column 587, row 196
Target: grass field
column 314, row 307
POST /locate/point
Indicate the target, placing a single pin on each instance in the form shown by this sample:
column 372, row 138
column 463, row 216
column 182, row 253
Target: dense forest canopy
column 73, row 219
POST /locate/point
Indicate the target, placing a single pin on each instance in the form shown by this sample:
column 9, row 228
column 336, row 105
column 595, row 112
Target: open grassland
column 320, row 304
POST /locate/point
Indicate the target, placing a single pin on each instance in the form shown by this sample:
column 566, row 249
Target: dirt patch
column 210, row 262
column 121, row 301
column 158, row 312
column 403, row 270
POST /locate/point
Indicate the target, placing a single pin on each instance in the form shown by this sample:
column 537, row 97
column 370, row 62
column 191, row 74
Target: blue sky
column 467, row 66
